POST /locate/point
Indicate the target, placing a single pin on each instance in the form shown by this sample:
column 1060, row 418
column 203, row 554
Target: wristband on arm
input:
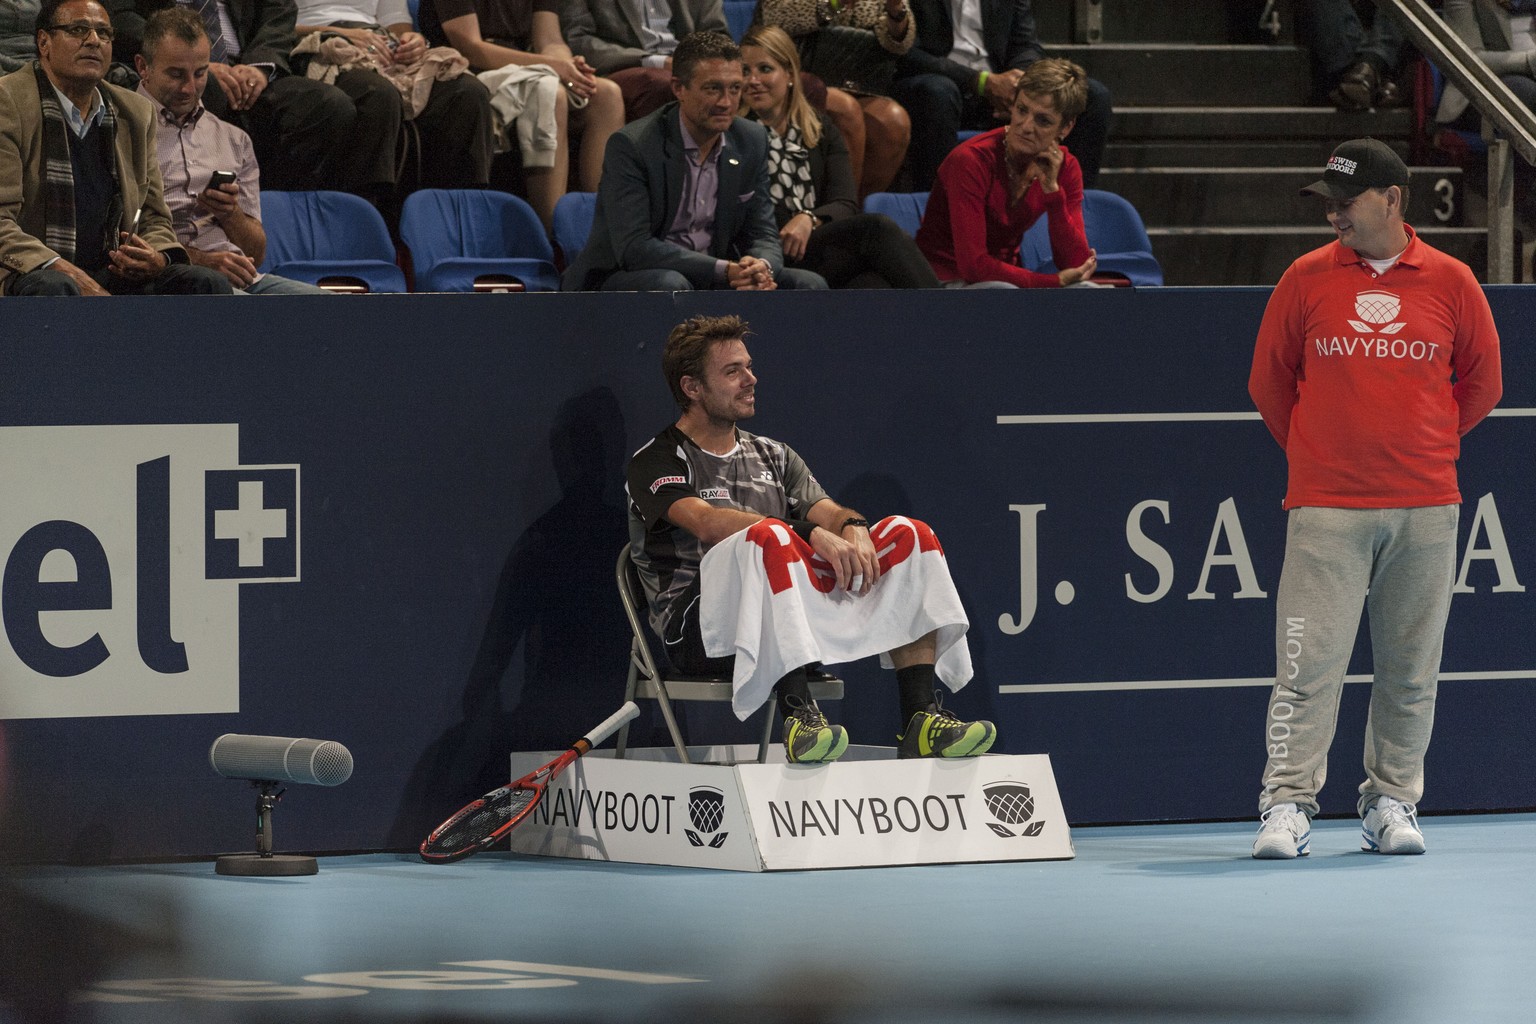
column 803, row 527
column 981, row 83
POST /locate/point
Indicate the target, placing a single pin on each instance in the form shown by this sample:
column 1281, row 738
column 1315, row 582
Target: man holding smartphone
column 81, row 210
column 212, row 182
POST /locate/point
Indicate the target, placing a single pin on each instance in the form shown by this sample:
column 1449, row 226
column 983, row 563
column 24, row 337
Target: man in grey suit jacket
column 631, row 42
column 684, row 199
column 951, row 80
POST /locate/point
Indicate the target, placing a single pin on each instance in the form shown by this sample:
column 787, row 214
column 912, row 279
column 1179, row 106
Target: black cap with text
column 1357, row 165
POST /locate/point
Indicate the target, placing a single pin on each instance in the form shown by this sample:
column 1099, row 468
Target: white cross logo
column 252, row 524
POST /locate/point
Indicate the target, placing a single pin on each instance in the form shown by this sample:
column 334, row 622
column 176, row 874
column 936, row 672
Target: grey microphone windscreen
column 281, row 759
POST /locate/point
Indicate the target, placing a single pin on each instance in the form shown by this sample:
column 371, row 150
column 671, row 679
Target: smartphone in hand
column 220, row 178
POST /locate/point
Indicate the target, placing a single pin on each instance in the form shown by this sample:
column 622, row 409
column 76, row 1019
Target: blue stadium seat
column 905, row 208
column 332, row 239
column 465, row 240
column 573, row 223
column 1116, row 233
column 738, row 16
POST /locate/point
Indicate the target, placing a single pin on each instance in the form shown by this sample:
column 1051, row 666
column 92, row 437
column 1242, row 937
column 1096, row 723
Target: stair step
column 1194, row 21
column 1259, row 255
column 1267, row 124
column 1233, row 196
column 1173, row 74
column 1132, row 153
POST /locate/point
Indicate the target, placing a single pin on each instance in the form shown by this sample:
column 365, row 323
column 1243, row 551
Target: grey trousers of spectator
column 1399, row 564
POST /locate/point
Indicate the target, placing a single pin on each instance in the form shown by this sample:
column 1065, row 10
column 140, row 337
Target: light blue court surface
column 1149, row 923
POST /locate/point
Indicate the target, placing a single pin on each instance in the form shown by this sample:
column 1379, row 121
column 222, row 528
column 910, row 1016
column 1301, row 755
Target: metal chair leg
column 769, row 714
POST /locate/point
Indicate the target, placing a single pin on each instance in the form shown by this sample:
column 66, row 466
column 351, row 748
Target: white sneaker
column 1285, row 832
column 1391, row 826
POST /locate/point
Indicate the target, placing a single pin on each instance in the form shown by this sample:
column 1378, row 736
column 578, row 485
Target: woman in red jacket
column 992, row 187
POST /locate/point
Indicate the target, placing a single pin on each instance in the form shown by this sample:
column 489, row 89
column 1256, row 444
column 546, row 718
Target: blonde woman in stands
column 494, row 34
column 809, row 179
column 854, row 45
column 992, row 187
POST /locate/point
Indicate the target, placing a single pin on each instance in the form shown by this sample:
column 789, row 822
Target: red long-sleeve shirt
column 1353, row 372
column 970, row 232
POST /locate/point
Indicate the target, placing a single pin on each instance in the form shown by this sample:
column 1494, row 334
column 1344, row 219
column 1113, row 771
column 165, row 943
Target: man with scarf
column 81, row 205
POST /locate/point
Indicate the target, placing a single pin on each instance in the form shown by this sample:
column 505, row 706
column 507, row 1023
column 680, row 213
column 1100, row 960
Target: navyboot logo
column 123, row 551
column 706, row 810
column 1378, row 312
column 1011, row 805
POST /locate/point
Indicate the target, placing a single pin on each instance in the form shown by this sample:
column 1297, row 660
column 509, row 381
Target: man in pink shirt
column 1376, row 354
column 219, row 224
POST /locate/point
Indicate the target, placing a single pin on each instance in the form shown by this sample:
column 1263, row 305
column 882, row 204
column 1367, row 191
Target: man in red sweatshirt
column 1376, row 354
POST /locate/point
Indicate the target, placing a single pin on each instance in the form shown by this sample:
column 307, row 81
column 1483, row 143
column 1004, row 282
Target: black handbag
column 850, row 59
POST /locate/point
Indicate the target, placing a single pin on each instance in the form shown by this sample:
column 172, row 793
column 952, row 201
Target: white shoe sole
column 1281, row 847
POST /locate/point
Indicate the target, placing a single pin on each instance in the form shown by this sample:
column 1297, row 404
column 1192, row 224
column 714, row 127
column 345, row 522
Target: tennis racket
column 492, row 816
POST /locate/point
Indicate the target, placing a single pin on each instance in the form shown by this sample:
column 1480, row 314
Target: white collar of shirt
column 78, row 123
column 163, row 113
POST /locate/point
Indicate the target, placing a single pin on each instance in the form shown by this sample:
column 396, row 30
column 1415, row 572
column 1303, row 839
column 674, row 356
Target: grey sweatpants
column 1399, row 563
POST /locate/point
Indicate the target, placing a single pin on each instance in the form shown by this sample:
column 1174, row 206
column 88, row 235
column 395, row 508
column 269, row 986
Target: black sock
column 796, row 684
column 914, row 684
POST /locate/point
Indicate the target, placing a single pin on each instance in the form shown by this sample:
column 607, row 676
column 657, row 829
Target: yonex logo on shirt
column 1342, row 165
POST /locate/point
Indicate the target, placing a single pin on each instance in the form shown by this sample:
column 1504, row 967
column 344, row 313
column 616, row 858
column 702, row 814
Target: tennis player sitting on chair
column 752, row 571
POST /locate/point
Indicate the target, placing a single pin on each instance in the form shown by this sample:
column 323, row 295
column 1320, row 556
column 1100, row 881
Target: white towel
column 526, row 95
column 770, row 600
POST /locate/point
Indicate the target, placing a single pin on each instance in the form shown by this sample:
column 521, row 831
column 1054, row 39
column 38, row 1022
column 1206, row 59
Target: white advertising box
column 727, row 811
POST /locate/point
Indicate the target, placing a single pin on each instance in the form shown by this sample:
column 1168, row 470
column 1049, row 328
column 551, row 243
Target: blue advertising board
column 391, row 521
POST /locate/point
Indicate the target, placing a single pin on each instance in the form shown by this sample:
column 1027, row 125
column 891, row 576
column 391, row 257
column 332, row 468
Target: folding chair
column 647, row 682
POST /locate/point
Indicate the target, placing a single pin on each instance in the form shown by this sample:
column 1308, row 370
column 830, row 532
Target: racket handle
column 611, row 726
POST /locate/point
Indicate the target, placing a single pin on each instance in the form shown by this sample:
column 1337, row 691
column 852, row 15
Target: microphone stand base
column 254, row 865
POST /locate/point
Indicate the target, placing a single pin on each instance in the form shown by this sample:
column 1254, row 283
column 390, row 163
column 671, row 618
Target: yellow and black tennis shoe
column 937, row 733
column 809, row 738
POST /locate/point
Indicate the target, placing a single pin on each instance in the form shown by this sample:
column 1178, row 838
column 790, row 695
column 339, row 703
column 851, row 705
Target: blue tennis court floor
column 1148, row 923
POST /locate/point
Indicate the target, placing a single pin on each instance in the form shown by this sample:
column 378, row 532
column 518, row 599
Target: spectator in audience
column 219, row 225
column 815, row 202
column 631, row 41
column 308, row 135
column 501, row 33
column 453, row 128
column 994, row 186
column 1354, row 62
column 829, row 44
column 963, row 72
column 17, row 18
column 81, row 211
column 1489, row 32
column 684, row 201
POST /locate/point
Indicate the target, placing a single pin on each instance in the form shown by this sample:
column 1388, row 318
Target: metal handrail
column 1508, row 124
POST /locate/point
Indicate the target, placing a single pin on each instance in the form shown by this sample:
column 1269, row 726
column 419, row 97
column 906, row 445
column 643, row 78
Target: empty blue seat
column 465, row 240
column 572, row 223
column 329, row 239
column 1115, row 232
column 905, row 208
column 738, row 16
